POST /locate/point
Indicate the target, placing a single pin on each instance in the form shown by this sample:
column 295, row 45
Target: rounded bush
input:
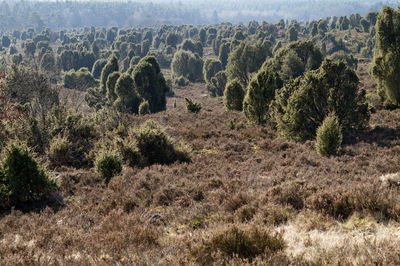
column 108, row 165
column 181, row 81
column 233, row 96
column 187, row 64
column 156, row 147
column 22, row 178
column 329, row 136
column 60, row 151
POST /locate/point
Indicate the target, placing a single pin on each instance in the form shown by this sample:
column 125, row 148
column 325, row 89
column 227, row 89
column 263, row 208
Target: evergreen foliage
column 111, row 82
column 79, row 80
column 22, row 178
column 233, row 96
column 211, row 67
column 302, row 104
column 128, row 99
column 192, row 107
column 110, row 67
column 386, row 64
column 187, row 64
column 150, row 83
column 108, row 164
column 329, row 136
column 245, row 59
column 260, row 93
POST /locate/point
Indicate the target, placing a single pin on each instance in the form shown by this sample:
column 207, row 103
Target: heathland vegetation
column 125, row 141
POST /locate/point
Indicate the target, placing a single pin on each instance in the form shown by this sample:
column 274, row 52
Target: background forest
column 72, row 14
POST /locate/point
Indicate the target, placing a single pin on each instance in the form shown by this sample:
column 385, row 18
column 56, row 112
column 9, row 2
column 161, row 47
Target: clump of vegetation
column 260, row 93
column 246, row 244
column 181, row 81
column 245, row 59
column 22, row 179
column 107, row 165
column 329, row 136
column 128, row 98
column 60, row 151
column 385, row 67
column 301, row 105
column 217, row 84
column 187, row 64
column 79, row 80
column 192, row 107
column 211, row 67
column 233, row 96
column 150, row 83
column 156, row 147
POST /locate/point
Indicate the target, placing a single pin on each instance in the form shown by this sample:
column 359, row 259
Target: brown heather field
column 341, row 210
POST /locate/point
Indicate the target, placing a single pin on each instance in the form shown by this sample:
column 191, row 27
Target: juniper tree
column 302, row 104
column 150, row 83
column 128, row 99
column 211, row 67
column 233, row 96
column 260, row 92
column 386, row 64
column 111, row 82
column 110, row 67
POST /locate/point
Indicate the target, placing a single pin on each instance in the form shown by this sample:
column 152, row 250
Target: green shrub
column 244, row 244
column 150, row 83
column 385, row 67
column 144, row 108
column 110, row 86
column 233, row 96
column 60, row 151
column 156, row 147
column 245, row 59
column 260, row 93
column 79, row 80
column 192, row 107
column 181, row 81
column 97, row 68
column 110, row 67
column 294, row 59
column 187, row 64
column 22, row 178
column 217, row 84
column 108, row 165
column 211, row 67
column 194, row 47
column 302, row 104
column 128, row 99
column 329, row 136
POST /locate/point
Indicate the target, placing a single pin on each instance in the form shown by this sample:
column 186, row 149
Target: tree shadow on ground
column 381, row 136
column 55, row 202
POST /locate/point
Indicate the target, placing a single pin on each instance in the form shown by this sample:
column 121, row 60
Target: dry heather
column 327, row 211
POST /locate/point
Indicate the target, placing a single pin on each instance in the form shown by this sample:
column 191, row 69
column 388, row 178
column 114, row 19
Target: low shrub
column 181, row 81
column 233, row 96
column 329, row 136
column 246, row 244
column 60, row 151
column 192, row 107
column 108, row 164
column 156, row 146
column 22, row 179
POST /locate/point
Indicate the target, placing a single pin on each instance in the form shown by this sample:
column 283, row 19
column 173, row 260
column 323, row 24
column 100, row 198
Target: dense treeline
column 62, row 15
